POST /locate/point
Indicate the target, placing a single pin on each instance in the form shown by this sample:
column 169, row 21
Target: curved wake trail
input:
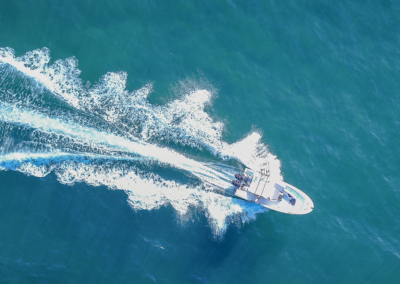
column 109, row 151
column 146, row 191
column 145, row 150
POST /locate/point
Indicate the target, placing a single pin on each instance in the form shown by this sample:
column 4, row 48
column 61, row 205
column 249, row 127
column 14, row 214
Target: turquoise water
column 318, row 82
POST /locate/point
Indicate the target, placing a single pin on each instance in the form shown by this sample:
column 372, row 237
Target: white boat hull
column 276, row 195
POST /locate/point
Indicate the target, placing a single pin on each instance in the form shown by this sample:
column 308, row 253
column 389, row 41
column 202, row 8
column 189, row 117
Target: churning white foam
column 183, row 121
column 97, row 138
column 146, row 191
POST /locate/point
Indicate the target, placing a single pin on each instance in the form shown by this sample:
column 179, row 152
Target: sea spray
column 132, row 131
column 146, row 191
column 182, row 121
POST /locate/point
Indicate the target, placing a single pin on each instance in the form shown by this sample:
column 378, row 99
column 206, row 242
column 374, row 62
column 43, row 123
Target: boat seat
column 275, row 195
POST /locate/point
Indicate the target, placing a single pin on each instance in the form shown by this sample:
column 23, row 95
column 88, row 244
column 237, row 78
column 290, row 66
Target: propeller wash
column 50, row 121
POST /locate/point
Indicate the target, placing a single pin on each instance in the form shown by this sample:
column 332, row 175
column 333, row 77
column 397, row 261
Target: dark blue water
column 317, row 81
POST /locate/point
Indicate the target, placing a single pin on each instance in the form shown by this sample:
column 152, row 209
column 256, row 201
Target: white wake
column 135, row 134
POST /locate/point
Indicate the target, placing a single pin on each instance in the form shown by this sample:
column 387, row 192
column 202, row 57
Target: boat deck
column 275, row 195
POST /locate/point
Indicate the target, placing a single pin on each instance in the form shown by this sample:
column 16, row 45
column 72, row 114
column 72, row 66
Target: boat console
column 257, row 187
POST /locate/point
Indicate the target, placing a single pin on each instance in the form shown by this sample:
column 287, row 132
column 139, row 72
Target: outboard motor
column 247, row 179
column 239, row 177
column 236, row 183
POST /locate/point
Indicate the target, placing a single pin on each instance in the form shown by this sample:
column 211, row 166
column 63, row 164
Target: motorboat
column 258, row 187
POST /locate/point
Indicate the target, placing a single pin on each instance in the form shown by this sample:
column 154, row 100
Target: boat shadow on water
column 98, row 226
column 258, row 241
